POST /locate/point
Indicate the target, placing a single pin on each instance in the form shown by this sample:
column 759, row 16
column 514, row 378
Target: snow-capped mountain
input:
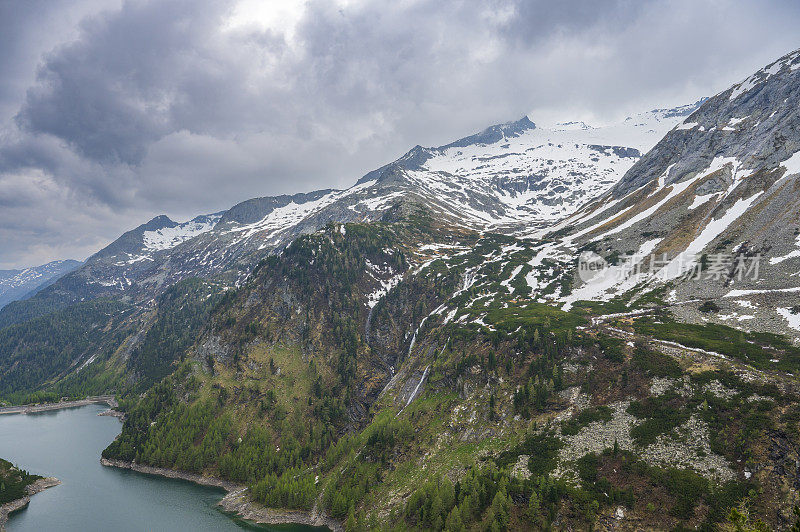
column 508, row 176
column 520, row 174
column 158, row 234
column 718, row 194
column 18, row 284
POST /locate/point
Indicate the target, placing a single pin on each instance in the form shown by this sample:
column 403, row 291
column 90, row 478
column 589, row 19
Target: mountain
column 508, row 176
column 429, row 350
column 398, row 375
column 516, row 174
column 712, row 202
column 20, row 284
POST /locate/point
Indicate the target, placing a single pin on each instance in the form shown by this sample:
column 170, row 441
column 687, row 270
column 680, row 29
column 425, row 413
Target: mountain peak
column 783, row 66
column 25, row 282
column 494, row 133
column 522, row 124
column 159, row 222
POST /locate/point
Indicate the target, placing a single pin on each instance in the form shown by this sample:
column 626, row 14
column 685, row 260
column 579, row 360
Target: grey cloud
column 109, row 94
column 46, row 220
column 27, row 30
column 152, row 106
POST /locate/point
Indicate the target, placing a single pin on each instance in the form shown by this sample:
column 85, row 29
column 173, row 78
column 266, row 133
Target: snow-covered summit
column 510, row 175
column 170, row 236
column 519, row 173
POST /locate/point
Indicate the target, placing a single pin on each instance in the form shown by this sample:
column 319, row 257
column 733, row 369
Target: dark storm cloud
column 110, row 117
column 27, row 30
column 111, row 94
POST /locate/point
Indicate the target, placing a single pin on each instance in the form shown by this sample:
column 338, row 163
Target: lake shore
column 236, row 500
column 18, row 504
column 45, row 407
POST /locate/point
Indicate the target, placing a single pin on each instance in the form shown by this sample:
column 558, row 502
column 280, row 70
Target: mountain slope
column 404, row 370
column 713, row 199
column 508, row 175
column 19, row 284
column 398, row 375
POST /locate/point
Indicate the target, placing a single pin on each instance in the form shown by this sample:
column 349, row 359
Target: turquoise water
column 67, row 444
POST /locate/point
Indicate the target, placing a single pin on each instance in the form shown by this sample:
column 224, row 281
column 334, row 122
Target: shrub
column 708, row 306
column 654, row 363
column 571, row 427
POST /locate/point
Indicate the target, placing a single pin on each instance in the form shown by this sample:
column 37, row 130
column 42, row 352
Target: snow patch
column 169, row 237
column 712, row 230
column 700, row 200
column 792, row 164
column 792, row 254
column 792, row 319
column 740, row 293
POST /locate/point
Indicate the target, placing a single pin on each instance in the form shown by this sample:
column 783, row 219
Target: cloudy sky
column 113, row 111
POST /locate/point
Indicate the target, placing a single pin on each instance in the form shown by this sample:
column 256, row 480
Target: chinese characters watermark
column 638, row 267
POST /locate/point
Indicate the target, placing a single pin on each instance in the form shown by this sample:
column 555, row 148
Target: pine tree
column 533, row 506
column 350, row 525
column 454, row 522
column 501, row 507
column 436, row 509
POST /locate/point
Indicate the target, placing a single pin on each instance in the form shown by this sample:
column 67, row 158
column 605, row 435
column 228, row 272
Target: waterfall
column 368, row 324
column 469, row 278
column 419, row 385
column 411, row 345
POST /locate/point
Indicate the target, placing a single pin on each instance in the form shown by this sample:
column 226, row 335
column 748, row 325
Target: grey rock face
column 494, row 134
column 756, row 122
column 724, row 183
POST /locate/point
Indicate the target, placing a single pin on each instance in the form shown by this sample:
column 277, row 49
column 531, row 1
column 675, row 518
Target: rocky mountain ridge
column 19, row 284
column 710, row 213
column 507, row 176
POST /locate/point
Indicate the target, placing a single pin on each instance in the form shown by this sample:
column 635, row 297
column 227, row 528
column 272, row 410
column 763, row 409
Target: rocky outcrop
column 113, row 413
column 32, row 489
column 236, row 501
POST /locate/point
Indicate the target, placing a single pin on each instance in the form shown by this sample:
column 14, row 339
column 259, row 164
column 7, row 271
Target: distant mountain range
column 21, row 284
column 508, row 176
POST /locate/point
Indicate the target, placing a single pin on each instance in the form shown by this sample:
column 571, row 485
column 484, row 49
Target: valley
column 422, row 351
